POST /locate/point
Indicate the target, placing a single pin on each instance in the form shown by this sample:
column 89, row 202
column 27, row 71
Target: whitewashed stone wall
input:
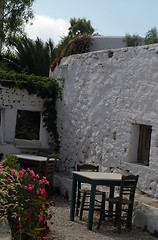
column 12, row 100
column 105, row 95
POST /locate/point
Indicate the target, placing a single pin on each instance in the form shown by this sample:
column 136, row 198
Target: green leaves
column 133, row 40
column 14, row 14
column 151, row 36
column 33, row 57
column 80, row 26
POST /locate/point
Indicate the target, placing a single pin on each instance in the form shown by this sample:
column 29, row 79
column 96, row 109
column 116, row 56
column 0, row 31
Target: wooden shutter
column 144, row 144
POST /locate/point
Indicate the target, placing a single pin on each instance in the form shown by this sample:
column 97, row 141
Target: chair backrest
column 87, row 167
column 128, row 187
column 50, row 165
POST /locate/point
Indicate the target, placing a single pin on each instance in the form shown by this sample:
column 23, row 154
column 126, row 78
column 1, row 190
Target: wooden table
column 33, row 159
column 93, row 178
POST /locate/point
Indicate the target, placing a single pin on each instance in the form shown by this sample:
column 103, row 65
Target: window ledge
column 138, row 164
column 22, row 143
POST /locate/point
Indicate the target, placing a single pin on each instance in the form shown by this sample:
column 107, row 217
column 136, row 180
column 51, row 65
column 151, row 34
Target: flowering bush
column 81, row 44
column 23, row 200
column 73, row 45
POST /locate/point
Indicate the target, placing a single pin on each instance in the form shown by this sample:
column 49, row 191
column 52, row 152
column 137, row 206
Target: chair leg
column 118, row 215
column 78, row 203
column 82, row 205
column 102, row 211
column 129, row 218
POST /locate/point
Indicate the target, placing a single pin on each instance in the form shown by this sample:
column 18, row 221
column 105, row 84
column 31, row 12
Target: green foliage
column 77, row 41
column 133, row 40
column 14, row 14
column 151, row 36
column 23, row 200
column 80, row 26
column 29, row 56
column 46, row 88
column 63, row 48
column 10, row 162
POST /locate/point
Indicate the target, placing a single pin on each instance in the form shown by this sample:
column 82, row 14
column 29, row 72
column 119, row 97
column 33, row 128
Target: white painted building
column 13, row 102
column 106, row 42
column 108, row 114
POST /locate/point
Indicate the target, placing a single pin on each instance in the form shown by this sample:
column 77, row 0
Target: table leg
column 112, row 188
column 39, row 168
column 73, row 198
column 91, row 207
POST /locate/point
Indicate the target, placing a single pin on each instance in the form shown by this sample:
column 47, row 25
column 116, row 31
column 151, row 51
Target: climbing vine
column 45, row 87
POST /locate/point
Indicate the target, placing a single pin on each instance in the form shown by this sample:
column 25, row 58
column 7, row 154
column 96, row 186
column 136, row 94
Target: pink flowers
column 37, row 192
column 37, row 176
column 29, row 187
column 13, row 173
column 43, row 181
column 21, row 173
column 31, row 195
column 40, row 218
column 31, row 172
column 41, row 191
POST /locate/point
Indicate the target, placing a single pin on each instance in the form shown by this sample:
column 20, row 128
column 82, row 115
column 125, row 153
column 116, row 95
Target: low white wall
column 12, row 100
column 103, row 43
column 105, row 95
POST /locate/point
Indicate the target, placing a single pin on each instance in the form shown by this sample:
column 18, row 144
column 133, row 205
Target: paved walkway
column 64, row 229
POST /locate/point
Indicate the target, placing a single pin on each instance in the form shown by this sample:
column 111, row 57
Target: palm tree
column 29, row 56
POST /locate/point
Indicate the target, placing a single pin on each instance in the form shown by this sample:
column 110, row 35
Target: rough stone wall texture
column 12, row 100
column 106, row 94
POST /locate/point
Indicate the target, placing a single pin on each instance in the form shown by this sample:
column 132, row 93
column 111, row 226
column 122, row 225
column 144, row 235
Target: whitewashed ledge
column 5, row 232
column 145, row 213
column 63, row 184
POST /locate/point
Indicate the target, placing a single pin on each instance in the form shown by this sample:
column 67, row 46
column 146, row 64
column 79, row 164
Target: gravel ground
column 64, row 229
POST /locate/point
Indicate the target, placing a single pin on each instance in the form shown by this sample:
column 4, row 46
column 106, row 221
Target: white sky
column 108, row 17
column 46, row 27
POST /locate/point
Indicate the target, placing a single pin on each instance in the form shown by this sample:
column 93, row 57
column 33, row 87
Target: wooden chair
column 123, row 203
column 83, row 195
column 49, row 171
